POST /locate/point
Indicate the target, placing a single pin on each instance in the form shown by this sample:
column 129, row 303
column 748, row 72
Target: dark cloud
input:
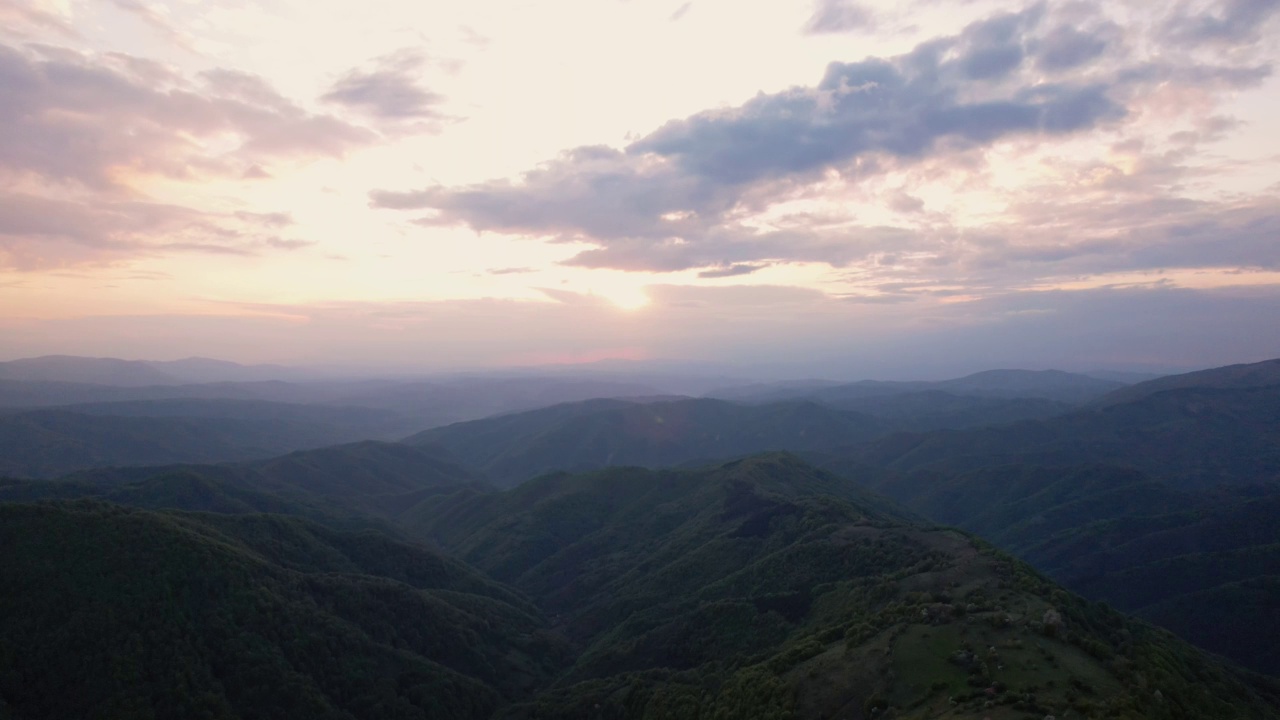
column 993, row 48
column 1232, row 21
column 689, row 194
column 671, row 200
column 837, row 16
column 1066, row 47
column 69, row 117
column 389, row 92
column 732, row 270
column 905, row 202
column 904, row 107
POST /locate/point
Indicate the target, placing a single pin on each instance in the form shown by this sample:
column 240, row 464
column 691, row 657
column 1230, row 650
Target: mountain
column 139, row 373
column 1053, row 385
column 37, row 394
column 581, row 436
column 1118, row 535
column 766, row 588
column 46, row 443
column 759, row 588
column 173, row 489
column 107, row 613
column 418, row 403
column 1160, row 501
column 1046, row 384
column 1194, row 570
column 938, row 410
column 101, row 371
column 366, row 479
column 1190, row 437
column 1253, row 375
column 1127, row 377
column 194, row 370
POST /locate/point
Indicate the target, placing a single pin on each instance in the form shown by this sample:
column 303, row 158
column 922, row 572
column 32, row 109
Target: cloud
column 1067, row 47
column 1237, row 21
column 703, row 192
column 732, row 270
column 389, row 92
column 672, row 199
column 837, row 16
column 681, row 11
column 19, row 15
column 76, row 131
column 93, row 120
column 39, row 233
column 157, row 19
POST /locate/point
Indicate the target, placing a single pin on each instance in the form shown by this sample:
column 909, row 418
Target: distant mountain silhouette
column 582, row 436
column 47, row 443
column 363, row 479
column 1160, row 498
column 1253, row 375
column 1191, row 437
column 101, row 371
column 1053, row 385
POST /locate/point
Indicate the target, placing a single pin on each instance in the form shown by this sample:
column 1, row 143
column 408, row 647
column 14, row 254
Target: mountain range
column 758, row 588
column 654, row 556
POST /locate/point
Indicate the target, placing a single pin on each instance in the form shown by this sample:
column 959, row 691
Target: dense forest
column 595, row 560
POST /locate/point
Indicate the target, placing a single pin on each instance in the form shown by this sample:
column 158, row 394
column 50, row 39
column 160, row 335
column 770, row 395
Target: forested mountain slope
column 759, row 588
column 47, row 443
column 107, row 612
column 1189, row 437
column 584, row 436
column 1260, row 374
column 368, row 478
column 762, row 587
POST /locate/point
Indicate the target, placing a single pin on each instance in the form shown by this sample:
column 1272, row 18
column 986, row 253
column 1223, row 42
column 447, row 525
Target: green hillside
column 48, row 443
column 760, row 588
column 114, row 613
column 367, row 478
column 1189, row 437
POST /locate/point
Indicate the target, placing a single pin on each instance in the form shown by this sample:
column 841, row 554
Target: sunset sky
column 843, row 188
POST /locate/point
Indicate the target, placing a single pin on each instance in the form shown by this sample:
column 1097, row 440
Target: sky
column 844, row 188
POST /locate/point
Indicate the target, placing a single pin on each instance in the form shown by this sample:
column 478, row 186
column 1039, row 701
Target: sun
column 625, row 298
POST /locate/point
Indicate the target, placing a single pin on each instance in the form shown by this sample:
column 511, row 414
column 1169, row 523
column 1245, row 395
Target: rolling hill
column 47, row 443
column 760, row 588
column 109, row 613
column 764, row 588
column 583, row 436
column 1249, row 375
column 366, row 479
column 1192, row 437
column 1052, row 385
column 1159, row 499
